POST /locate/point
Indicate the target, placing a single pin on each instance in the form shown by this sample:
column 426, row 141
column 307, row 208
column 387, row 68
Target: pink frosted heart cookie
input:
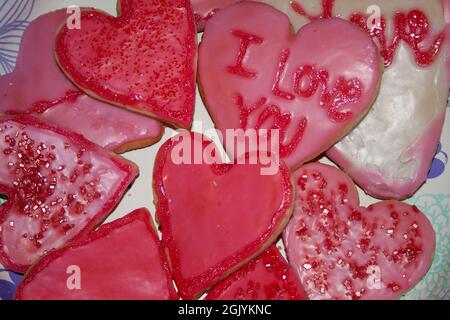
column 267, row 277
column 120, row 260
column 313, row 87
column 214, row 217
column 390, row 152
column 206, row 9
column 340, row 250
column 144, row 60
column 38, row 87
column 59, row 187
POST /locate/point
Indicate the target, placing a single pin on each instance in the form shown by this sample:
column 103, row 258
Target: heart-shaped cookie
column 314, row 87
column 267, row 277
column 214, row 217
column 390, row 152
column 59, row 187
column 38, row 87
column 343, row 251
column 120, row 260
column 205, row 9
column 144, row 60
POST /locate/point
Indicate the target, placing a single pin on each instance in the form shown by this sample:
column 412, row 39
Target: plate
column 433, row 198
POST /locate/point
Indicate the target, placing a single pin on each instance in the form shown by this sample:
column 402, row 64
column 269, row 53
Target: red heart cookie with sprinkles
column 144, row 60
column 314, row 87
column 120, row 260
column 215, row 217
column 59, row 187
column 267, row 277
column 341, row 250
column 38, row 87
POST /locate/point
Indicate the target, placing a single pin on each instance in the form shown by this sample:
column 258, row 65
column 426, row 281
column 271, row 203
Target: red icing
column 245, row 40
column 54, row 187
column 327, row 11
column 142, row 276
column 42, row 106
column 204, row 203
column 278, row 121
column 412, row 28
column 130, row 62
column 39, row 88
column 267, row 277
column 377, row 252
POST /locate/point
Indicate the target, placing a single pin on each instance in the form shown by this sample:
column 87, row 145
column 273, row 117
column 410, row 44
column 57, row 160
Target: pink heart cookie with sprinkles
column 59, row 187
column 341, row 250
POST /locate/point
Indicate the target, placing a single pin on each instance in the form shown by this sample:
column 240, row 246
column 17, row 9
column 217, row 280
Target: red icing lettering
column 245, row 40
column 281, row 68
column 279, row 121
column 327, row 10
column 307, row 81
column 413, row 28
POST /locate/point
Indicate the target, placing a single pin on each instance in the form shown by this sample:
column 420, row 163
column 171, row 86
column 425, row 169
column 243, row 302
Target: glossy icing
column 267, row 277
column 412, row 97
column 255, row 74
column 205, row 10
column 38, row 87
column 215, row 218
column 120, row 260
column 59, row 187
column 340, row 250
column 144, row 60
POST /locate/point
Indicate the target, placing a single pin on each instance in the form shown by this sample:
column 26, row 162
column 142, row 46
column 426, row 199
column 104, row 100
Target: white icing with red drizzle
column 389, row 153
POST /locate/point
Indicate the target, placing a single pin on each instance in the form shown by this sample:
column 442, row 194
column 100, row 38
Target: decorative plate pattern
column 433, row 198
column 14, row 18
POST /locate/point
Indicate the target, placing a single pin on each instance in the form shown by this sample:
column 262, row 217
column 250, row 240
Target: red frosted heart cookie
column 59, row 187
column 314, row 86
column 144, row 60
column 121, row 260
column 215, row 217
column 267, row 277
column 38, row 87
column 343, row 251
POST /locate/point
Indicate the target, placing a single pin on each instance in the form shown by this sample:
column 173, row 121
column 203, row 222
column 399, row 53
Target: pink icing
column 340, row 250
column 37, row 87
column 206, row 9
column 381, row 186
column 254, row 74
column 143, row 60
column 133, row 266
column 59, row 186
column 446, row 4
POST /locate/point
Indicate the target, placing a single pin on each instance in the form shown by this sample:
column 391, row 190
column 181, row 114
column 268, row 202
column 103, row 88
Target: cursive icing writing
column 412, row 28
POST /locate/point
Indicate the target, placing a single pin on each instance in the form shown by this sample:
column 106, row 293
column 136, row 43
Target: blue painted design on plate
column 8, row 284
column 439, row 163
column 14, row 18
